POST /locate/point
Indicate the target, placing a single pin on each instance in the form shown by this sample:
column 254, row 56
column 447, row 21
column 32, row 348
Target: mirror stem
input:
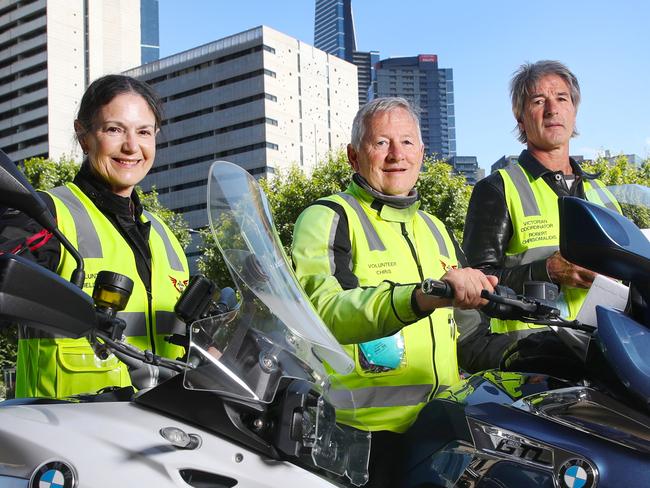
column 78, row 275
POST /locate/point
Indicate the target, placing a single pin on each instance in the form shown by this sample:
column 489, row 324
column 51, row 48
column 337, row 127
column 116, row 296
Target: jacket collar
column 377, row 202
column 104, row 198
column 537, row 169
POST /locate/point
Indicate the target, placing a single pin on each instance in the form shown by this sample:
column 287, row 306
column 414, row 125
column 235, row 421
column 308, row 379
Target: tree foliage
column 634, row 204
column 445, row 195
column 45, row 174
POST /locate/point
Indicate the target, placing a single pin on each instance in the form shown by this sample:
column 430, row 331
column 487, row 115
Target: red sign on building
column 428, row 58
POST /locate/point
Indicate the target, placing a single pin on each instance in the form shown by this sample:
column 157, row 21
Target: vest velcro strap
column 520, row 180
column 437, row 235
column 136, row 323
column 168, row 323
column 381, row 396
column 529, row 256
column 88, row 242
column 374, row 242
column 175, row 262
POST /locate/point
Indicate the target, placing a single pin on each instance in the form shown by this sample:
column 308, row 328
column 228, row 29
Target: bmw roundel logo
column 54, row 474
column 578, row 473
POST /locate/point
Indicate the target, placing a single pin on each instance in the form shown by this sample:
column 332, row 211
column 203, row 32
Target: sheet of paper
column 604, row 291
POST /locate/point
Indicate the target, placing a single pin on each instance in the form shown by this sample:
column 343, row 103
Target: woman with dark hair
column 116, row 126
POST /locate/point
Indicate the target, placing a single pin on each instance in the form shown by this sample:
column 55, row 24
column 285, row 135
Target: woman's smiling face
column 121, row 144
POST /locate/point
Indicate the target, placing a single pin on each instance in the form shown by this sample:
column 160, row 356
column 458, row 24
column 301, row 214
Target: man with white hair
column 361, row 256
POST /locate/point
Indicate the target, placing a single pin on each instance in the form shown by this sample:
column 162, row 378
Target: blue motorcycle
column 507, row 429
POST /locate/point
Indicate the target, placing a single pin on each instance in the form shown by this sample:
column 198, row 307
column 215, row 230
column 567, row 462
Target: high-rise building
column 334, row 33
column 50, row 50
column 503, row 161
column 149, row 28
column 430, row 89
column 260, row 99
column 468, row 167
column 334, row 28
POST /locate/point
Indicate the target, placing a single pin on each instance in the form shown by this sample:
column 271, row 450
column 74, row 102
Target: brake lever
column 505, row 304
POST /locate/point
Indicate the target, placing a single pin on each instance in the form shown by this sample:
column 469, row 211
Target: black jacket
column 488, row 228
column 22, row 235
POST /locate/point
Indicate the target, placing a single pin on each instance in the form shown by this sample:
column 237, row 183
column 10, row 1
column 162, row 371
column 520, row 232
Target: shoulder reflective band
column 520, row 180
column 442, row 246
column 88, row 243
column 374, row 242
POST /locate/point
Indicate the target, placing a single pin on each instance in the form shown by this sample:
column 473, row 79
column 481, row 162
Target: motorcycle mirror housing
column 603, row 241
column 16, row 192
column 19, row 194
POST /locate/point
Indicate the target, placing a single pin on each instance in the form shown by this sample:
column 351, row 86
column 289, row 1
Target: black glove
column 543, row 352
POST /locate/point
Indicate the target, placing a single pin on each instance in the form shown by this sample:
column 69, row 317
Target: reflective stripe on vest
column 442, row 246
column 172, row 257
column 88, row 243
column 372, row 238
column 604, row 197
column 520, row 180
column 381, row 396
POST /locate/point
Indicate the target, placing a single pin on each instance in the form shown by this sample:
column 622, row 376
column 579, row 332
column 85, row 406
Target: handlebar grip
column 437, row 288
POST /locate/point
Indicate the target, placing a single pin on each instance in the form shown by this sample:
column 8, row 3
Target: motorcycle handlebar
column 503, row 303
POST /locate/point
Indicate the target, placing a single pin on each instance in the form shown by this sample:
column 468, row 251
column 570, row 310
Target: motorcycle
column 247, row 407
column 507, row 429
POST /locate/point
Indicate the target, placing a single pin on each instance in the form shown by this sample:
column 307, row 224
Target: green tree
column 445, row 195
column 45, row 174
column 622, row 172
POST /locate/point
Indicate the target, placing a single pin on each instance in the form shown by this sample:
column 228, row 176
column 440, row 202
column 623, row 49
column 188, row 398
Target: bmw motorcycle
column 247, row 407
column 588, row 428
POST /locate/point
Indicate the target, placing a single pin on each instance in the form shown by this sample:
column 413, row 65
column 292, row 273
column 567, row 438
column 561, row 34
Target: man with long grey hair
column 361, row 256
column 512, row 226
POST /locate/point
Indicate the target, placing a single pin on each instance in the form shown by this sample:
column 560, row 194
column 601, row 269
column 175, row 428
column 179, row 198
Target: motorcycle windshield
column 275, row 332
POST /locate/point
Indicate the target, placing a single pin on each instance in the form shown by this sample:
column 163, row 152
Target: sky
column 604, row 42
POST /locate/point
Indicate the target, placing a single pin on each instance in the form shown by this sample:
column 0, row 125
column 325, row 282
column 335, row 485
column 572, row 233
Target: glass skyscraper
column 334, row 28
column 149, row 32
column 334, row 34
column 430, row 89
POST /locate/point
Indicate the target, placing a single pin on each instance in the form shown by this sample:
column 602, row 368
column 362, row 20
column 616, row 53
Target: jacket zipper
column 433, row 337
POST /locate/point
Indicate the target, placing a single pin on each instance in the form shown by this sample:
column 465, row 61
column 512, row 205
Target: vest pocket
column 364, row 368
column 80, row 371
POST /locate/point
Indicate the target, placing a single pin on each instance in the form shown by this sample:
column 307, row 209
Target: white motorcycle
column 248, row 407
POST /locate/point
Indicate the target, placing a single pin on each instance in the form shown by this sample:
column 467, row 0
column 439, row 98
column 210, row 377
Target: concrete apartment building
column 260, row 99
column 50, row 50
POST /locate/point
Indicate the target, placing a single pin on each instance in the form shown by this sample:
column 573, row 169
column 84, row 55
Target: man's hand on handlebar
column 467, row 285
